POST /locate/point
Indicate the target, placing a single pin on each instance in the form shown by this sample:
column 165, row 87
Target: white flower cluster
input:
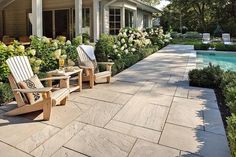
column 157, row 36
column 129, row 40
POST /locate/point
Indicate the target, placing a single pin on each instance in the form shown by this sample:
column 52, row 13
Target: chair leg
column 108, row 79
column 91, row 78
column 47, row 108
column 63, row 102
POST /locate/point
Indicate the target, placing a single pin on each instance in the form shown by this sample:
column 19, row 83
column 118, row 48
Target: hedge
column 216, row 46
column 201, row 46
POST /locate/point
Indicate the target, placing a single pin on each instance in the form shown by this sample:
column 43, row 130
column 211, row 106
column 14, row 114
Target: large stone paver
column 103, row 95
column 142, row 149
column 195, row 141
column 165, row 89
column 49, row 147
column 123, row 87
column 213, row 121
column 37, row 138
column 99, row 142
column 100, row 114
column 135, row 131
column 64, row 152
column 17, row 130
column 8, row 151
column 187, row 113
column 61, row 116
column 143, row 114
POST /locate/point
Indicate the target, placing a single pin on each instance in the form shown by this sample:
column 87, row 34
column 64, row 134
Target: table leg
column 80, row 81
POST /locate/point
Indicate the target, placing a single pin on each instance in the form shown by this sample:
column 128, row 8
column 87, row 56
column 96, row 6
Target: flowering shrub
column 51, row 50
column 157, row 36
column 16, row 49
column 129, row 41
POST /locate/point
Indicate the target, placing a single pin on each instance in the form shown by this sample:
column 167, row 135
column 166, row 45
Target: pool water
column 226, row 60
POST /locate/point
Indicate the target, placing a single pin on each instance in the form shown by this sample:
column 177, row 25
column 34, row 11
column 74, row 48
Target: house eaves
column 145, row 6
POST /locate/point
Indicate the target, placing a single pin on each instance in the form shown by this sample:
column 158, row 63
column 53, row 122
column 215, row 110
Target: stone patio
column 148, row 110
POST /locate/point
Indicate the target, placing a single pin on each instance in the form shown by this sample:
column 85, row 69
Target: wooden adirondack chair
column 90, row 67
column 20, row 71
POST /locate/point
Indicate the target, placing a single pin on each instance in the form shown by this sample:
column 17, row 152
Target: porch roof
column 5, row 3
column 145, row 6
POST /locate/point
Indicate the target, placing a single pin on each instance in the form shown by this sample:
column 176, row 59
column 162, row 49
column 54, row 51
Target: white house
column 72, row 17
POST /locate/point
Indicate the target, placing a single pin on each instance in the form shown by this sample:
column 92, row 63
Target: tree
column 201, row 15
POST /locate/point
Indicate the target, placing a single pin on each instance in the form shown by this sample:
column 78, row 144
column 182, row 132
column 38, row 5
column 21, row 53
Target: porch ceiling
column 5, row 3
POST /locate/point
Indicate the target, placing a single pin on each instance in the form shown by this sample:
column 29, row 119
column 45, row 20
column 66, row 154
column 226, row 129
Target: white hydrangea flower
column 126, row 51
column 45, row 40
column 55, row 45
column 21, row 48
column 32, row 52
column 63, row 56
column 68, row 42
column 38, row 62
column 115, row 46
column 123, row 41
column 133, row 49
column 122, row 48
column 57, row 54
column 130, row 39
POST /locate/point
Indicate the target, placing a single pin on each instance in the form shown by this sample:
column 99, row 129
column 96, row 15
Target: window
column 114, row 21
column 145, row 21
column 86, row 17
column 129, row 18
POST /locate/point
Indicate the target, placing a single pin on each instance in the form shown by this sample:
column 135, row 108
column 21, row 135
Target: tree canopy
column 201, row 15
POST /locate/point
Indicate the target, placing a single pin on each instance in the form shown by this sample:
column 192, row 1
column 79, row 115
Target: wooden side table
column 75, row 80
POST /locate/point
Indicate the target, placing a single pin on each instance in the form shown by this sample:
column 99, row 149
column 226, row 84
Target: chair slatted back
column 20, row 68
column 84, row 60
column 226, row 37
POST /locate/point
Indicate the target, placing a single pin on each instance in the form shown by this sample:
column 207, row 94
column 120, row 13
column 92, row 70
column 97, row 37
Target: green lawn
column 186, row 41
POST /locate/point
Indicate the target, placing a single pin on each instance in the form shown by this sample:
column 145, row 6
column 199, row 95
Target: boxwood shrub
column 209, row 77
column 231, row 131
column 201, row 46
column 6, row 94
column 223, row 47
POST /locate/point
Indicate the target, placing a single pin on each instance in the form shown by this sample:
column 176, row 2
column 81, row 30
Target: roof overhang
column 5, row 3
column 145, row 6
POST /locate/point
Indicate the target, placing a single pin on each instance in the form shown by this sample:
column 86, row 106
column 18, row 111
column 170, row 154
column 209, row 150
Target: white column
column 123, row 17
column 136, row 18
column 106, row 20
column 78, row 17
column 37, row 17
column 96, row 20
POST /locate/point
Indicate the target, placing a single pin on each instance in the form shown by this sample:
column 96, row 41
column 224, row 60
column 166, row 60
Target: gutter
column 151, row 8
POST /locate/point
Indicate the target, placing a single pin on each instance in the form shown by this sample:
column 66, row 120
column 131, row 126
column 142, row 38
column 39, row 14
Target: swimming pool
column 226, row 60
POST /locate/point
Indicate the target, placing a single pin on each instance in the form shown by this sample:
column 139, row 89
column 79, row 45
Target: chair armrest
column 86, row 68
column 55, row 78
column 106, row 63
column 38, row 90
